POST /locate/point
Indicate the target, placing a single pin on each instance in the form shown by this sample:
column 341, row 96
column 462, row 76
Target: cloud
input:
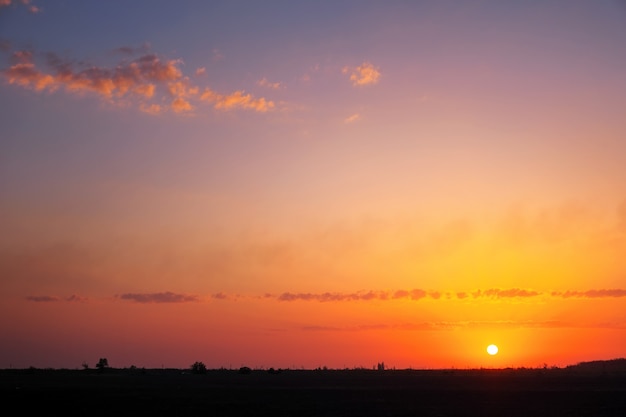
column 76, row 298
column 353, row 118
column 54, row 298
column 359, row 296
column 180, row 105
column 5, row 45
column 159, row 297
column 412, row 294
column 31, row 7
column 132, row 50
column 153, row 109
column 610, row 293
column 236, row 100
column 371, row 295
column 43, row 298
column 364, row 74
column 148, row 77
column 136, row 77
column 201, row 71
column 510, row 293
column 418, row 294
column 444, row 325
column 217, row 55
column 263, row 82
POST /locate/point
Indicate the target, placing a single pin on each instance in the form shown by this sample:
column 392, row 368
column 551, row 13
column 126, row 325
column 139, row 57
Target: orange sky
column 326, row 184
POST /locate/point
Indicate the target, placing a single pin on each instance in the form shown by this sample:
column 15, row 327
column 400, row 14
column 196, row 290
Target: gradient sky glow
column 304, row 184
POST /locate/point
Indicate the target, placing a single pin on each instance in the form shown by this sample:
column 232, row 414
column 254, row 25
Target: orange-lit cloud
column 364, row 74
column 201, row 71
column 138, row 76
column 140, row 79
column 235, row 100
column 159, row 297
column 180, row 105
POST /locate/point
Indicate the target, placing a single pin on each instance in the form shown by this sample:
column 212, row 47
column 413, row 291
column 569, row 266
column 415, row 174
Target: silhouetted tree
column 102, row 364
column 198, row 368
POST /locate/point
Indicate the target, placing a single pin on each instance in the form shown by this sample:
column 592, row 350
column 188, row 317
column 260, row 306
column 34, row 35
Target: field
column 171, row 392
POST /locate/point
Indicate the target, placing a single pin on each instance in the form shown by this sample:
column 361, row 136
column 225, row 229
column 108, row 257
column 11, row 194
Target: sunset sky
column 312, row 183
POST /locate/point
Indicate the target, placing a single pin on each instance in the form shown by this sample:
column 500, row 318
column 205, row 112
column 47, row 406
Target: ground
column 120, row 392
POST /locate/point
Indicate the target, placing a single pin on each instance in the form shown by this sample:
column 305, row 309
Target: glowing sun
column 492, row 349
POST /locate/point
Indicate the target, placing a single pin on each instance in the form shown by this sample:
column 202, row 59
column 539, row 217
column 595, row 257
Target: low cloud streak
column 159, row 297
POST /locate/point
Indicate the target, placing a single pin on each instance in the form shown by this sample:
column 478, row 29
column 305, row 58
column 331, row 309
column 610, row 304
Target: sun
column 492, row 349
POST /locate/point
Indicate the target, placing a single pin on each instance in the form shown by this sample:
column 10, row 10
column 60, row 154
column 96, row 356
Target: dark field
column 529, row 392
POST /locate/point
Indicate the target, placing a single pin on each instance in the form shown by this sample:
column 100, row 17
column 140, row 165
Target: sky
column 316, row 183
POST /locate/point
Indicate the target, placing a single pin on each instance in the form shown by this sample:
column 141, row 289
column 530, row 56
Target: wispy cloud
column 364, row 74
column 263, row 82
column 217, row 55
column 31, row 7
column 159, row 297
column 76, row 298
column 353, row 118
column 54, row 298
column 5, row 45
column 445, row 325
column 133, row 50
